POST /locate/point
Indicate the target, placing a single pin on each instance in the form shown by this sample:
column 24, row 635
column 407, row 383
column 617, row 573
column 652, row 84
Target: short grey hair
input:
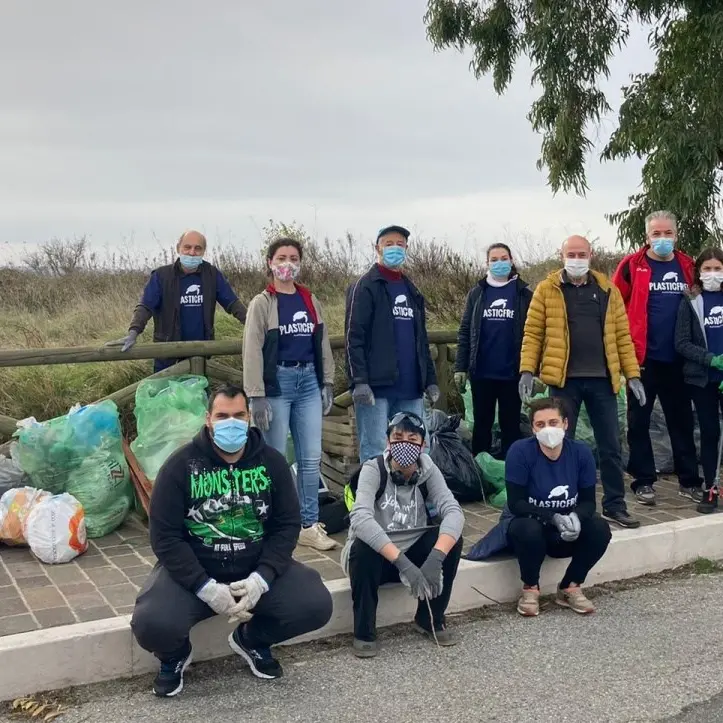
column 665, row 216
column 192, row 230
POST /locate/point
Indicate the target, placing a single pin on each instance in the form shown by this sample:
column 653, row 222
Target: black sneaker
column 645, row 495
column 169, row 681
column 260, row 660
column 709, row 503
column 691, row 493
column 622, row 518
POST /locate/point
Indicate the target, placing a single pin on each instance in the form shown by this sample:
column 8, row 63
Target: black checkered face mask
column 405, row 454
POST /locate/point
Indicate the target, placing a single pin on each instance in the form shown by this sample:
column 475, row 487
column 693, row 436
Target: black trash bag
column 333, row 513
column 455, row 461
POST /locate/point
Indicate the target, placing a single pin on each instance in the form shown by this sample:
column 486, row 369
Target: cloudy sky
column 128, row 122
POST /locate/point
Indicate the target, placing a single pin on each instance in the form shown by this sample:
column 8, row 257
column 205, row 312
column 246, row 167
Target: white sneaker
column 316, row 537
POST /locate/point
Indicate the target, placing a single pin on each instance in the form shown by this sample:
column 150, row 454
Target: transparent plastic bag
column 11, row 473
column 15, row 506
column 55, row 529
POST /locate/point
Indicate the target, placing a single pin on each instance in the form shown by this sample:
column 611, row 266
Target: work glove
column 568, row 526
column 432, row 394
column 638, row 390
column 217, row 596
column 412, row 577
column 261, row 414
column 460, row 379
column 432, row 571
column 525, row 386
column 327, row 398
column 363, row 394
column 248, row 592
column 717, row 362
column 126, row 342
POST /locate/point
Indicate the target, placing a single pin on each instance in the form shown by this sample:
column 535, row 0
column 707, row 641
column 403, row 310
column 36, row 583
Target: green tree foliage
column 671, row 117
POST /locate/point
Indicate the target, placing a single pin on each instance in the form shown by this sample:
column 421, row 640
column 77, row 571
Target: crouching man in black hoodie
column 224, row 520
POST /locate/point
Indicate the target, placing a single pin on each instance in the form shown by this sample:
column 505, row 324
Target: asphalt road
column 653, row 652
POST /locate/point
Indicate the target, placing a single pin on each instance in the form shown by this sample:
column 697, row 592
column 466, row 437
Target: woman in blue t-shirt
column 550, row 483
column 699, row 340
column 288, row 372
column 488, row 349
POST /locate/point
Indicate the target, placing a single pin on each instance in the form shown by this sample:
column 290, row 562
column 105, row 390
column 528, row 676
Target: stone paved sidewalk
column 104, row 582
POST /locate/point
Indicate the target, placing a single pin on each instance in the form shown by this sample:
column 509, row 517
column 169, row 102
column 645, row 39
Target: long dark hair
column 711, row 252
column 280, row 242
column 500, row 245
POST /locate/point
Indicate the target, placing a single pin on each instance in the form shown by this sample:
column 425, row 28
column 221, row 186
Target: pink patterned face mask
column 286, row 271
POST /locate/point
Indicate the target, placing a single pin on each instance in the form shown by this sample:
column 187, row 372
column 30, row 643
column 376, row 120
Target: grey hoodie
column 400, row 514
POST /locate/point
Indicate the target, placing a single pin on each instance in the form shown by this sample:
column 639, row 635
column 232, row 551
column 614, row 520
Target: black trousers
column 708, row 406
column 486, row 395
column 368, row 570
column 531, row 541
column 296, row 603
column 602, row 408
column 663, row 381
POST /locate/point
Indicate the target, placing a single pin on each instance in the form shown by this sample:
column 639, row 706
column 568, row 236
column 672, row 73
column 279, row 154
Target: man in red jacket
column 652, row 282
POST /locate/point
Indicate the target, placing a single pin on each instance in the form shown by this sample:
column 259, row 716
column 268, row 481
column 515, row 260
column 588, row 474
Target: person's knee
column 595, row 530
column 155, row 630
column 526, row 530
column 314, row 604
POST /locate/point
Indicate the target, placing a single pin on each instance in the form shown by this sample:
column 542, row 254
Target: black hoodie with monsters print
column 209, row 518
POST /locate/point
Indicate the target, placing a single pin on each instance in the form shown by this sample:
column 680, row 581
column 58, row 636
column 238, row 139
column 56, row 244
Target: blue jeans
column 372, row 422
column 299, row 409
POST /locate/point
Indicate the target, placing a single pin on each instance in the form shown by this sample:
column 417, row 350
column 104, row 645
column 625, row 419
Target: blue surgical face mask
column 191, row 262
column 663, row 246
column 393, row 256
column 230, row 434
column 501, row 269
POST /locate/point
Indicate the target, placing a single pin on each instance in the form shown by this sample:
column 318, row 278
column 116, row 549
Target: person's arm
column 168, row 527
column 362, row 519
column 586, row 481
column 621, row 279
column 452, row 524
column 431, row 366
column 327, row 356
column 253, row 344
column 461, row 363
column 281, row 530
column 517, row 482
column 226, row 296
column 151, row 300
column 534, row 334
column 359, row 319
column 684, row 336
column 626, row 349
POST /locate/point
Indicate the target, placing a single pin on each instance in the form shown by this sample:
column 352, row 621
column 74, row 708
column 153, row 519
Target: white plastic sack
column 55, row 529
column 15, row 506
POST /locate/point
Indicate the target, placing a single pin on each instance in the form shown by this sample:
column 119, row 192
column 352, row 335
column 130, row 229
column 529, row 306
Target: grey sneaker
column 645, row 495
column 691, row 493
column 365, row 648
column 442, row 636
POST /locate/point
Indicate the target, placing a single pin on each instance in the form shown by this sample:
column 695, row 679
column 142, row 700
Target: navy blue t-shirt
column 666, row 287
column 295, row 329
column 191, row 307
column 496, row 353
column 551, row 484
column 713, row 322
column 405, row 343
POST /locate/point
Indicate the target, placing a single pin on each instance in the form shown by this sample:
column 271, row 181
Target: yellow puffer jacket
column 546, row 342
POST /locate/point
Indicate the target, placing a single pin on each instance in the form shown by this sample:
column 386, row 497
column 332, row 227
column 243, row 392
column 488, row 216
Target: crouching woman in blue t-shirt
column 551, row 493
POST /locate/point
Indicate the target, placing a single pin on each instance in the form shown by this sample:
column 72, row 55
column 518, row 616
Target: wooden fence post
column 198, row 366
column 442, row 365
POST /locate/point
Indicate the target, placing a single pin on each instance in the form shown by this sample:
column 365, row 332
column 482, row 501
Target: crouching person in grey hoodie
column 405, row 526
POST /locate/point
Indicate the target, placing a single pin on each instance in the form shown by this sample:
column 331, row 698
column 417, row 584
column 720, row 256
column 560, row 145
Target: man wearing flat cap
column 388, row 362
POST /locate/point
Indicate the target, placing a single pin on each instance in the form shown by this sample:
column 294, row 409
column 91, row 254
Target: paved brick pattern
column 104, row 582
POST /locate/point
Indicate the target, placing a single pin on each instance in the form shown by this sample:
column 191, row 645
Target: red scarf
column 389, row 274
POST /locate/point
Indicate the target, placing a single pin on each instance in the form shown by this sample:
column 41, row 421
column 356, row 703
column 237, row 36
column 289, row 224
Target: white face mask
column 711, row 280
column 577, row 268
column 550, row 437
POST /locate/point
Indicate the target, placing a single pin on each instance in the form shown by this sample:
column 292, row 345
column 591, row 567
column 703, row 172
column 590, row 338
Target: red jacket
column 632, row 277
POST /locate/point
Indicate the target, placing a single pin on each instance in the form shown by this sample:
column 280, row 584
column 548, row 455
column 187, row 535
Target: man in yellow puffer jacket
column 577, row 340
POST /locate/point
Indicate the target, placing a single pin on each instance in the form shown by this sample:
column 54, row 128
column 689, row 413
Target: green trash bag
column 584, row 432
column 468, row 408
column 493, row 478
column 169, row 413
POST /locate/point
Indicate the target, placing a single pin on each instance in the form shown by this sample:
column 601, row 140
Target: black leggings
column 489, row 395
column 531, row 541
column 708, row 403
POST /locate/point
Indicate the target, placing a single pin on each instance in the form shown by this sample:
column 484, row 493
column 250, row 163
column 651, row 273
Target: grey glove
column 460, row 379
column 363, row 394
column 412, row 577
column 261, row 413
column 432, row 394
column 432, row 571
column 525, row 386
column 217, row 596
column 126, row 342
column 568, row 526
column 327, row 398
column 638, row 391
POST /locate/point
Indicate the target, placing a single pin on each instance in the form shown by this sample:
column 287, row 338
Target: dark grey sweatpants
column 296, row 603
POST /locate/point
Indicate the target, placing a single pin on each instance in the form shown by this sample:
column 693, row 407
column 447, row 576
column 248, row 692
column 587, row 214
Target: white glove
column 568, row 526
column 217, row 596
column 248, row 592
column 638, row 391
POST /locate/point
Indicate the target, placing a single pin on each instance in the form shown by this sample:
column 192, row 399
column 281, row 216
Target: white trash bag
column 15, row 506
column 55, row 529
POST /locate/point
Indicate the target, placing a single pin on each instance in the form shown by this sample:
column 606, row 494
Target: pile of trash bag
column 11, row 473
column 55, row 529
column 15, row 506
column 454, row 459
column 81, row 453
column 169, row 413
column 493, row 479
